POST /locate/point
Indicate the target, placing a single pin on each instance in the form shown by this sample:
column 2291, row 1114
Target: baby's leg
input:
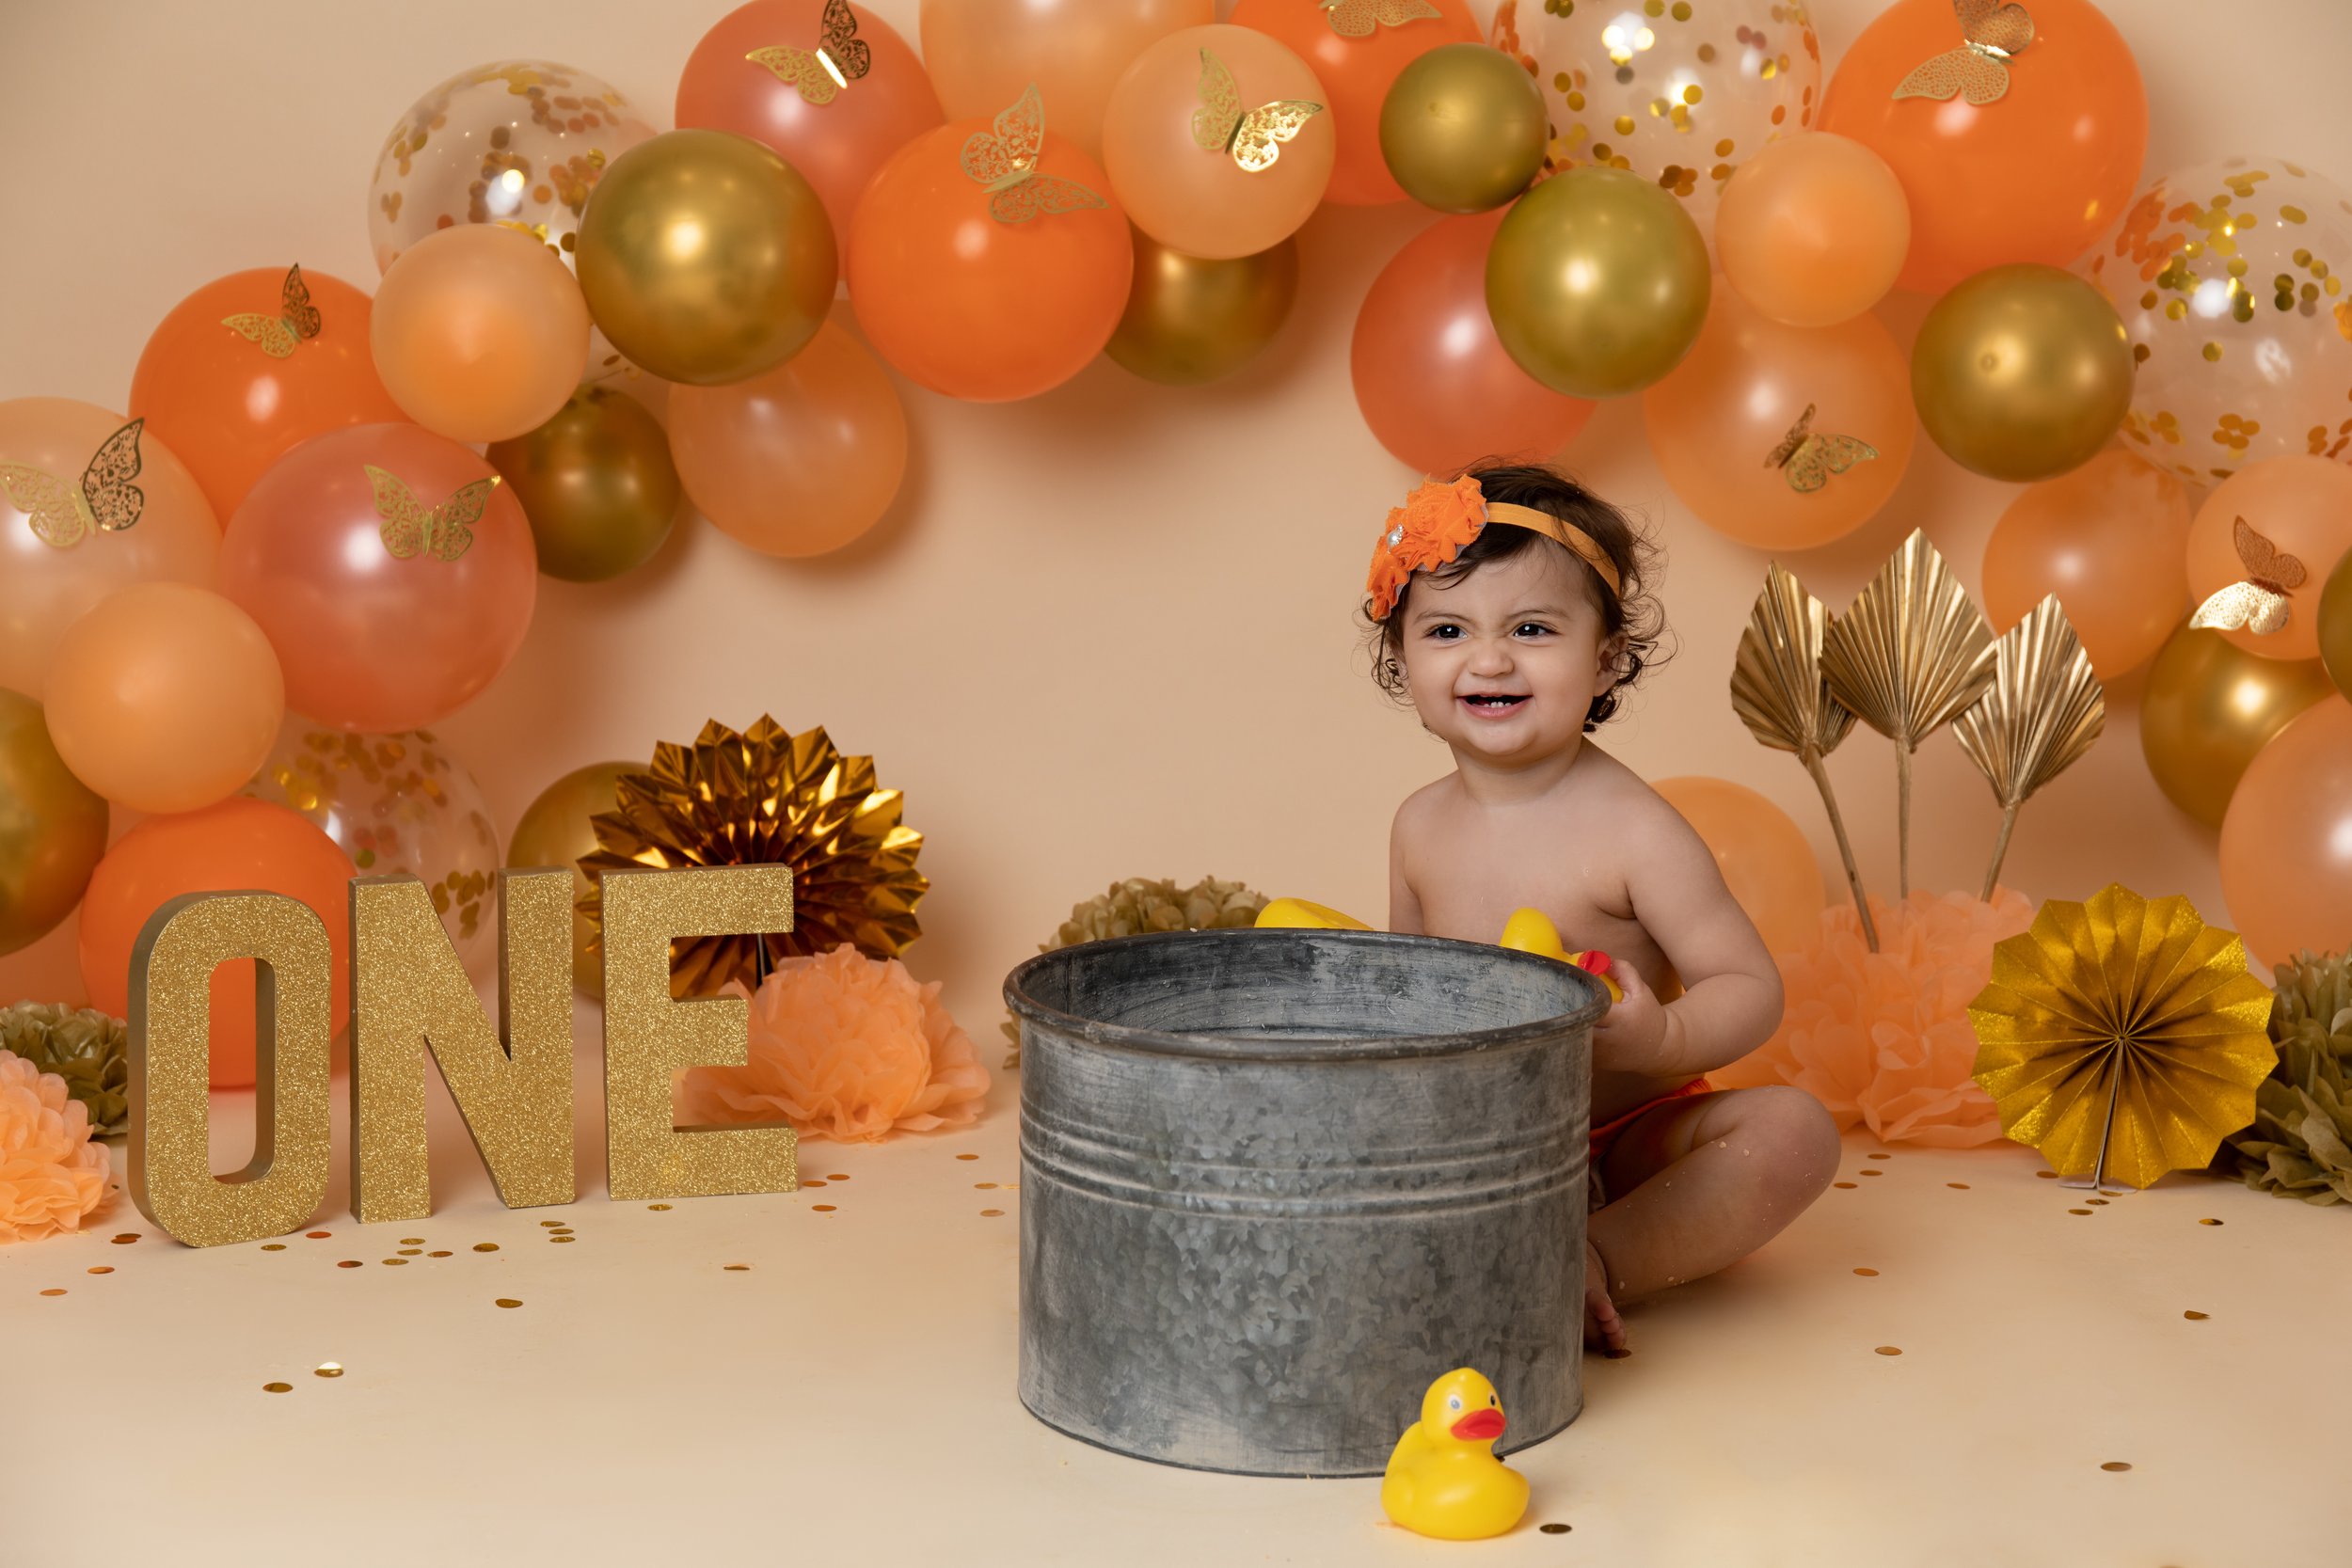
column 1707, row 1180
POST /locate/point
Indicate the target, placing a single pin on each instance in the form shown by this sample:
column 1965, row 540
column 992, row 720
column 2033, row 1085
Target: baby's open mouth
column 1494, row 702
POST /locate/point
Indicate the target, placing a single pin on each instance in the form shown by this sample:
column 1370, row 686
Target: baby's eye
column 1445, row 631
column 1525, row 627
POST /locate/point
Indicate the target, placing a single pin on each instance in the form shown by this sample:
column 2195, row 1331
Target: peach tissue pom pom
column 1883, row 1038
column 51, row 1174
column 847, row 1047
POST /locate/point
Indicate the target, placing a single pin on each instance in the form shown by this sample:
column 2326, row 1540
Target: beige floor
column 848, row 1393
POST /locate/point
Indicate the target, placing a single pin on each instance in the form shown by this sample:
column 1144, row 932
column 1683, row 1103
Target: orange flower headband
column 1440, row 519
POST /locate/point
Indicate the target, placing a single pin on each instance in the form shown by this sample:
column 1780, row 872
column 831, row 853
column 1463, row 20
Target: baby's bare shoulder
column 1637, row 814
column 1425, row 804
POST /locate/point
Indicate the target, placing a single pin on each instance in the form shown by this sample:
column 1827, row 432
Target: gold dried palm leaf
column 1910, row 653
column 2041, row 714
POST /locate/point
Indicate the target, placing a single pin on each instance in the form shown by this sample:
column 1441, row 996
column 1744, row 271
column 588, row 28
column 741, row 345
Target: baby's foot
column 1603, row 1329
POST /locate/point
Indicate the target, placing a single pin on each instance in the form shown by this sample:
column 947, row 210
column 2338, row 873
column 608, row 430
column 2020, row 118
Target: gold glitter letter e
column 647, row 1037
column 408, row 988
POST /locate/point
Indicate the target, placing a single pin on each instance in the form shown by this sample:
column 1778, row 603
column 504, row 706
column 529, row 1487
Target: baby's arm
column 1731, row 998
column 1404, row 905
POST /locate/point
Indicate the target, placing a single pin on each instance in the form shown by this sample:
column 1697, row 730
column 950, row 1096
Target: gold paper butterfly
column 1356, row 19
column 444, row 531
column 2259, row 604
column 1005, row 161
column 1808, row 460
column 106, row 501
column 280, row 335
column 820, row 73
column 1218, row 125
column 1979, row 67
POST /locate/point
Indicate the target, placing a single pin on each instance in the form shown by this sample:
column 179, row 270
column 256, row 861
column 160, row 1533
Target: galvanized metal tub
column 1274, row 1183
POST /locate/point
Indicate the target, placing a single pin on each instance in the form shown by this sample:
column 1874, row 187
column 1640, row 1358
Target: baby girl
column 1509, row 609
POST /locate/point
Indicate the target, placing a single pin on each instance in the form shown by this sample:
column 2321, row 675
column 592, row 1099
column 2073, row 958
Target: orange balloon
column 1764, row 856
column 2032, row 176
column 983, row 53
column 1719, row 420
column 2303, row 506
column 801, row 460
column 176, row 538
column 480, row 333
column 2107, row 540
column 1813, row 230
column 1357, row 74
column 164, row 697
column 837, row 139
column 227, row 406
column 2286, row 843
column 973, row 306
column 237, row 846
column 1198, row 200
column 1433, row 382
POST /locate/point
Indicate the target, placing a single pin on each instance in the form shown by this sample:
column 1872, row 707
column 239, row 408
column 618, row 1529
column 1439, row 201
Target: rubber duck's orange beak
column 1479, row 1425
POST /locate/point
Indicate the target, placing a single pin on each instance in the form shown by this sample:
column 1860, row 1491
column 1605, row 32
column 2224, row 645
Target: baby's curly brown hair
column 1634, row 616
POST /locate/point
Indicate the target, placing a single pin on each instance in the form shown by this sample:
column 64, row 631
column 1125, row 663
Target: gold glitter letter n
column 408, row 990
column 649, row 1038
column 172, row 995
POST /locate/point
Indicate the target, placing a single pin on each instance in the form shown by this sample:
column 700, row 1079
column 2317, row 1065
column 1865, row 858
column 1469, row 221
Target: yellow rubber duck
column 1531, row 931
column 1298, row 912
column 1444, row 1480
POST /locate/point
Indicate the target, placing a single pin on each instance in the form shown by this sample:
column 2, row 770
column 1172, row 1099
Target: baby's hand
column 1630, row 1032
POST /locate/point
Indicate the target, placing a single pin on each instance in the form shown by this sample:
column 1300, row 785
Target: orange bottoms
column 1607, row 1132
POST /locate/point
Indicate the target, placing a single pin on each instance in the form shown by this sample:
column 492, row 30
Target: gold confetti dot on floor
column 2195, row 1317
column 989, row 1213
column 485, row 1247
column 53, row 1291
column 552, row 1225
column 1553, row 1530
column 822, row 1208
column 1962, row 1185
column 100, row 1268
column 412, row 1241
column 837, row 1176
column 1882, row 1154
column 812, row 1182
column 126, row 1238
column 657, row 1206
column 1844, row 1183
column 410, row 1251
column 2078, row 1211
column 273, row 1246
column 277, row 1387
column 2115, row 1464
column 560, row 1240
column 395, row 1262
column 2208, row 1222
column 1869, row 1172
column 737, row 1268
column 1867, row 1273
column 318, row 1235
column 2096, row 1202
column 328, row 1368
column 508, row 1301
column 440, row 1255
column 2047, row 1175
column 967, row 1156
column 983, row 1186
column 1890, row 1350
column 348, row 1263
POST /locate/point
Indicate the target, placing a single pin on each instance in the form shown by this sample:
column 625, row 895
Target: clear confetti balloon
column 397, row 803
column 518, row 143
column 2230, row 277
column 1678, row 91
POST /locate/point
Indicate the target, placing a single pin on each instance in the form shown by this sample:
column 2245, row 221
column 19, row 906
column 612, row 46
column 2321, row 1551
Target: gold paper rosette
column 2122, row 1036
column 765, row 797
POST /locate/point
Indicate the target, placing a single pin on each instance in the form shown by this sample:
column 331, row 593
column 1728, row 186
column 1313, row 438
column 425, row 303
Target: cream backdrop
column 1102, row 633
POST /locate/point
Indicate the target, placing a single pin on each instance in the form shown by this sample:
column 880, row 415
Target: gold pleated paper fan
column 2122, row 1036
column 766, row 798
column 2043, row 711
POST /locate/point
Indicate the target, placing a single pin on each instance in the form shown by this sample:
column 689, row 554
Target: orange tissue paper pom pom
column 847, row 1047
column 51, row 1175
column 1883, row 1038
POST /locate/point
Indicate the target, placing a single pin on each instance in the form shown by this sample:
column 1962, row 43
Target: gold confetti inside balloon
column 517, row 143
column 762, row 797
column 397, row 803
column 2122, row 1037
column 2230, row 277
column 1680, row 93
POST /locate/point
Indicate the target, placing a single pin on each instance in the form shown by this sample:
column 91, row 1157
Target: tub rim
column 1291, row 1048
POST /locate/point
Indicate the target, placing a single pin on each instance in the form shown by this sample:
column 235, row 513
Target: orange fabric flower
column 51, row 1174
column 1429, row 530
column 1883, row 1038
column 847, row 1047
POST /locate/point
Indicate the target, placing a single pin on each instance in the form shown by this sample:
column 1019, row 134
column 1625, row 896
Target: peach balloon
column 838, row 138
column 228, row 404
column 1719, row 420
column 238, row 844
column 801, row 460
column 2303, row 506
column 2286, row 843
column 983, row 53
column 2106, row 539
column 480, row 333
column 1764, row 856
column 1813, row 231
column 389, row 608
column 164, row 697
column 1433, row 380
column 1197, row 200
column 46, row 448
column 1356, row 73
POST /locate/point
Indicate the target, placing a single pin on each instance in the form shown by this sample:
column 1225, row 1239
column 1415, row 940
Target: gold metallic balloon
column 1463, row 128
column 53, row 828
column 2022, row 373
column 1190, row 321
column 2208, row 708
column 1597, row 282
column 705, row 258
column 596, row 484
column 2335, row 625
column 554, row 831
